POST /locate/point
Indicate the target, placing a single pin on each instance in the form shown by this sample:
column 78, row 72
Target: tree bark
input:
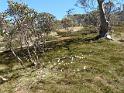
column 104, row 24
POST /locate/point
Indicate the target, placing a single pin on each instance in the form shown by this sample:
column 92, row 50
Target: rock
column 109, row 37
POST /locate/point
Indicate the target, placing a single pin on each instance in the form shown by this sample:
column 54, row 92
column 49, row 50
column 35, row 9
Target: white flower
column 58, row 60
column 84, row 67
column 71, row 62
column 72, row 59
column 78, row 69
column 54, row 64
column 61, row 70
column 59, row 63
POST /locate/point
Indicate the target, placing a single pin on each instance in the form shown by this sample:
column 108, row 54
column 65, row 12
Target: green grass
column 84, row 67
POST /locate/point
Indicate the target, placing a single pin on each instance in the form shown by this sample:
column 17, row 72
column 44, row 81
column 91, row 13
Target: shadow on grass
column 7, row 57
column 121, row 40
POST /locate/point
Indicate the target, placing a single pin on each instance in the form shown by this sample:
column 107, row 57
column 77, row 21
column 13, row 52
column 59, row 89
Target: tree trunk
column 104, row 24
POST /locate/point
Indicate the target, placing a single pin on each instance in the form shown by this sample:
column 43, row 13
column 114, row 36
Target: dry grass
column 71, row 67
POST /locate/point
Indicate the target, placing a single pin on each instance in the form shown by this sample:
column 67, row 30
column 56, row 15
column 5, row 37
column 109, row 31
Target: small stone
column 2, row 79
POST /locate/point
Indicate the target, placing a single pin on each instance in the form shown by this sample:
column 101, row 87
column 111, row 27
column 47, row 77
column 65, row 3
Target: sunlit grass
column 73, row 67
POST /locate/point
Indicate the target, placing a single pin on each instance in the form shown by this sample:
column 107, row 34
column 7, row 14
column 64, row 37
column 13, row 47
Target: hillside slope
column 72, row 66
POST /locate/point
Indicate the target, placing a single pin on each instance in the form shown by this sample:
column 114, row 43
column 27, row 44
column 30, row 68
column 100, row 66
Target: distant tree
column 58, row 24
column 45, row 22
column 94, row 18
column 86, row 19
column 78, row 19
column 66, row 23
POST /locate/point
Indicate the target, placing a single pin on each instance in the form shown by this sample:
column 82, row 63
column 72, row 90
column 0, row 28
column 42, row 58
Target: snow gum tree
column 105, row 8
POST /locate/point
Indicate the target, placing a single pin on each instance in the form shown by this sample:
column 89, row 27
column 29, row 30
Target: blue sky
column 55, row 7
